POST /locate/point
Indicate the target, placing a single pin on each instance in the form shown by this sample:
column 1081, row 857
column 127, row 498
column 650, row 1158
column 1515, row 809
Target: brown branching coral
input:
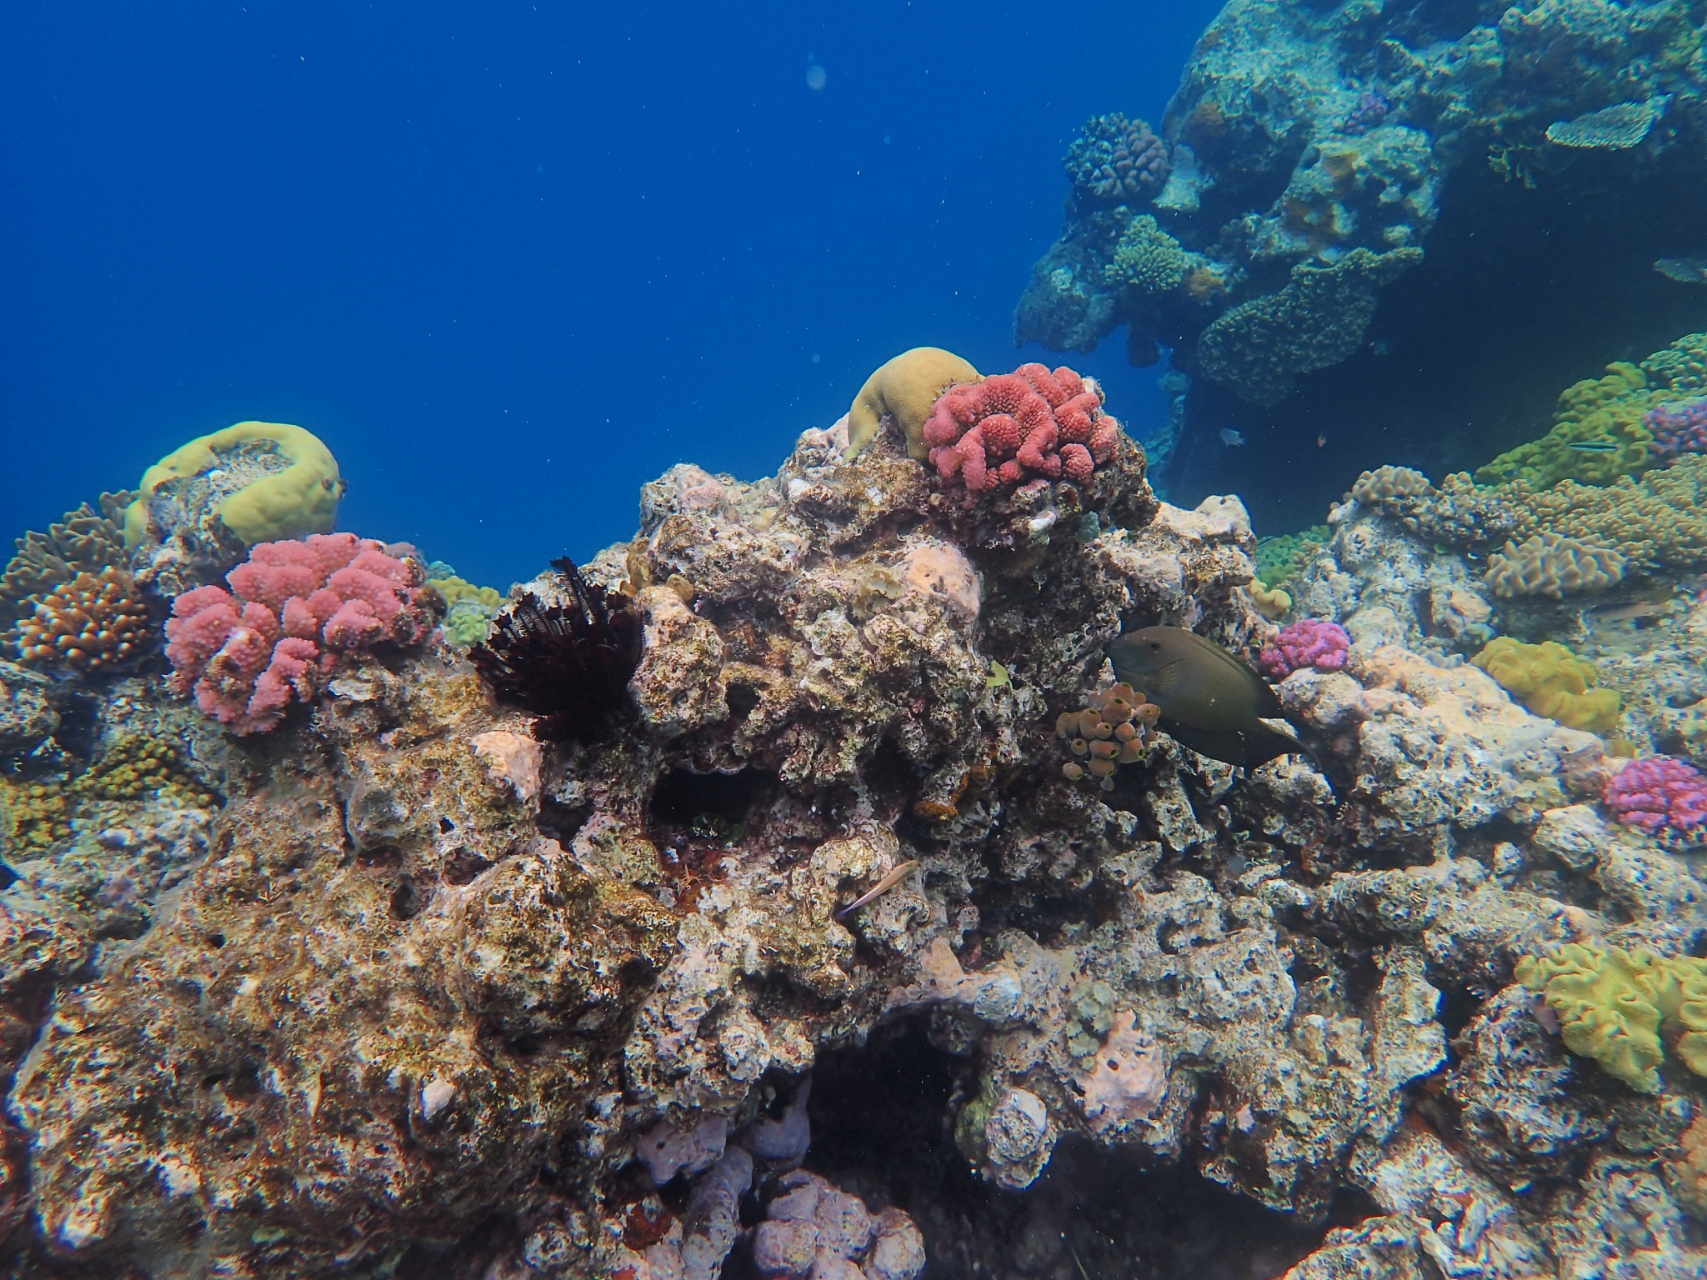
column 83, row 541
column 567, row 663
column 94, row 621
column 1111, row 733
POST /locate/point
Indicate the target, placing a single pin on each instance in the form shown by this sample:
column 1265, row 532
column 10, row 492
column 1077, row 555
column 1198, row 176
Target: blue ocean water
column 511, row 260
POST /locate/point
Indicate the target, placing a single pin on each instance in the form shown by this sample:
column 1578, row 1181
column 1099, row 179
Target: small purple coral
column 1664, row 796
column 1371, row 110
column 1314, row 642
column 1679, row 426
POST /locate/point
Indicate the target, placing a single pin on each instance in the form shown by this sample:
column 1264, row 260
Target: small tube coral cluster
column 1017, row 426
column 1663, row 796
column 1109, row 734
column 293, row 608
column 1312, row 642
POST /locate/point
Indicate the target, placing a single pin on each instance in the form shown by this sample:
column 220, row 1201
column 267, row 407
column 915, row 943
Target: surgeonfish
column 1210, row 700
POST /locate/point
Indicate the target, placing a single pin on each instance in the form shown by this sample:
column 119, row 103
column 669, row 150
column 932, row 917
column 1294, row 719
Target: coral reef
column 83, row 541
column 469, row 609
column 1551, row 681
column 1661, row 795
column 1677, row 426
column 1311, row 642
column 1599, row 433
column 293, row 609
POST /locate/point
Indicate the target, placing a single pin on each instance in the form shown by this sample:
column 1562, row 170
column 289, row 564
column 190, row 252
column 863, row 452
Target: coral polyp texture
column 293, row 611
column 1551, row 564
column 1116, row 161
column 95, row 621
column 1678, row 426
column 567, row 660
column 1661, row 795
column 1317, row 643
column 1113, row 731
column 1015, row 427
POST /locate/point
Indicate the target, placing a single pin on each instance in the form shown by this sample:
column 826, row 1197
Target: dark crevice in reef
column 683, row 798
column 882, row 1128
column 1522, row 293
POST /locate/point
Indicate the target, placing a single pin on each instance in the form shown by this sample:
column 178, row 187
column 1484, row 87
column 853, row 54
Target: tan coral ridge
column 905, row 389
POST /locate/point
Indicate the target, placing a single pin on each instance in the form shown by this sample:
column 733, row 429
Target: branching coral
column 1661, row 795
column 1113, row 732
column 1311, row 642
column 1148, row 259
column 83, row 541
column 1018, row 426
column 95, row 621
column 566, row 663
column 1678, row 426
column 1551, row 681
column 293, row 609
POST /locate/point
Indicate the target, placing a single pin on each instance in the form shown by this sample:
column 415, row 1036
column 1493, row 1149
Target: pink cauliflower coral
column 1662, row 795
column 1313, row 642
column 293, row 608
column 1679, row 426
column 1017, row 426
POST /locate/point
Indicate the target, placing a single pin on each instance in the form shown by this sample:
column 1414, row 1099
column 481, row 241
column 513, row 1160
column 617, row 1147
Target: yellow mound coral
column 267, row 480
column 1551, row 681
column 458, row 589
column 1612, row 1005
column 905, row 388
column 1597, row 434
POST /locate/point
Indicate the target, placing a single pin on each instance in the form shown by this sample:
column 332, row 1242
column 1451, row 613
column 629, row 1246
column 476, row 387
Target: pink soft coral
column 1020, row 426
column 293, row 608
column 1313, row 642
column 1662, row 795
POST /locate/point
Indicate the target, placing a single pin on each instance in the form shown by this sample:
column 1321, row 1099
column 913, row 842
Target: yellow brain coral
column 265, row 481
column 1612, row 1005
column 1551, row 681
column 906, row 388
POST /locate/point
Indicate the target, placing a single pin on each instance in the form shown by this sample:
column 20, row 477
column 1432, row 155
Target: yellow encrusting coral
column 34, row 815
column 1551, row 681
column 906, row 389
column 1613, row 1004
column 136, row 766
column 294, row 490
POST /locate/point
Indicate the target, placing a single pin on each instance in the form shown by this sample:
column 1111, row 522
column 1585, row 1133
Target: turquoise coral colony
column 798, row 889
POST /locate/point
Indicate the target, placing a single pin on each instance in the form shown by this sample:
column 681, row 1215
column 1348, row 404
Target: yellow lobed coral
column 1271, row 602
column 1550, row 564
column 1660, row 519
column 455, row 590
column 1597, row 434
column 906, row 389
column 288, row 482
column 1551, row 681
column 1612, row 1005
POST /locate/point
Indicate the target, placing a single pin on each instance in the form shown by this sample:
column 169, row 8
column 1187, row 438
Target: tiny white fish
column 1231, row 438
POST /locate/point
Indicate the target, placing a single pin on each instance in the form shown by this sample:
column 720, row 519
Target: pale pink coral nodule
column 1312, row 642
column 292, row 609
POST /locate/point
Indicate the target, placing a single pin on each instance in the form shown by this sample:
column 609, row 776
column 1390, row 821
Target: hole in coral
column 216, row 940
column 8, row 877
column 446, row 826
column 463, row 865
column 407, row 900
column 683, row 798
column 560, row 822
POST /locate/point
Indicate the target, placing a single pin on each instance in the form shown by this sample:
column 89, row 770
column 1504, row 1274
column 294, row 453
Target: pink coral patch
column 1013, row 428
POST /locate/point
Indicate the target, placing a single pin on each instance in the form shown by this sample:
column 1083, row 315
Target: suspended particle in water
column 816, row 77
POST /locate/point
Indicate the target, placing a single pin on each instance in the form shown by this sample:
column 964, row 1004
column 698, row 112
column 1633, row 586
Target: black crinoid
column 567, row 663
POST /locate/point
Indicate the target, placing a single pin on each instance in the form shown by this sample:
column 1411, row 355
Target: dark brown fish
column 1211, row 701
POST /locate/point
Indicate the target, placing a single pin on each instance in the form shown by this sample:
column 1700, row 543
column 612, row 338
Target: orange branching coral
column 1109, row 734
column 95, row 620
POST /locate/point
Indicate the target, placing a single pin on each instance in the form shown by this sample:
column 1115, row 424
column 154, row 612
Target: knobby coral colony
column 568, row 663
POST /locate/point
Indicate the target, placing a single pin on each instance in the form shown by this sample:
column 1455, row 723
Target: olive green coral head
column 906, row 388
column 265, row 480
